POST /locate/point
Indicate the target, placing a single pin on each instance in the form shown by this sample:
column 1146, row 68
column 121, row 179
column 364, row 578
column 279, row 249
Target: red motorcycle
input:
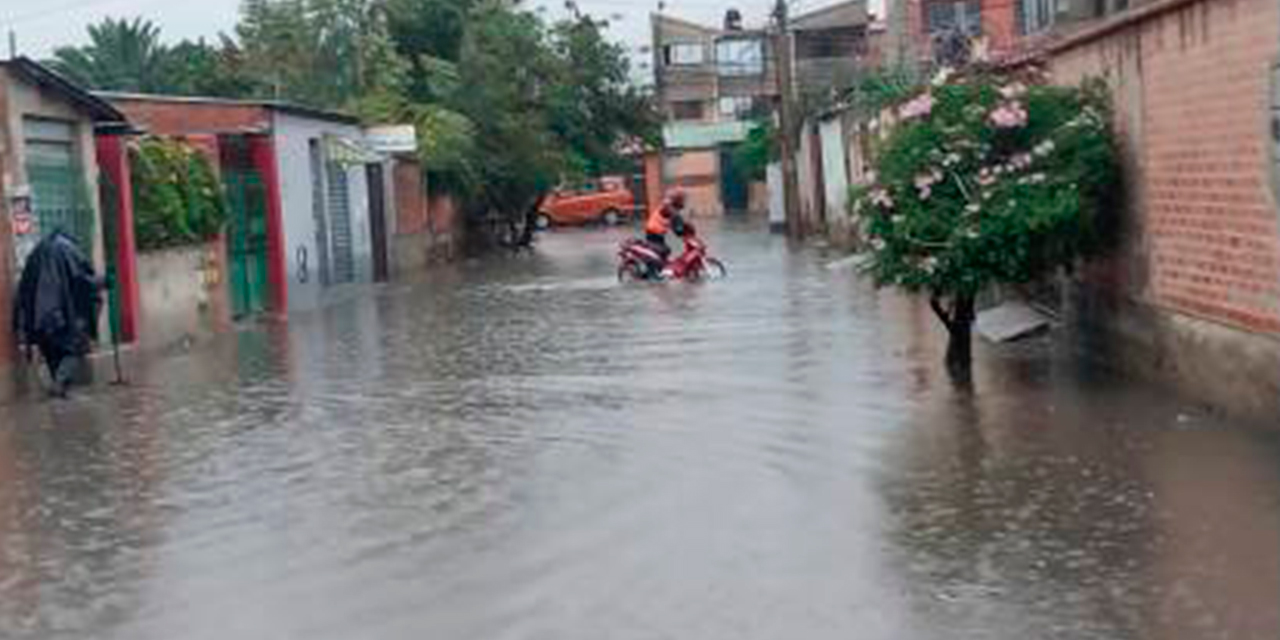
column 638, row 260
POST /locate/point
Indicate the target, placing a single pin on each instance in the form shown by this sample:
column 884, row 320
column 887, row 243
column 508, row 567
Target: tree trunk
column 958, row 319
column 531, row 221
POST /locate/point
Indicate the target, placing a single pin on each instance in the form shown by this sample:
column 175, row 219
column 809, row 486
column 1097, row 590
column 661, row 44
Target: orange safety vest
column 659, row 223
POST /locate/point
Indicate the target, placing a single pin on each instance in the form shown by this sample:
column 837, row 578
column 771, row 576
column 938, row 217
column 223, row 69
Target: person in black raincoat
column 57, row 306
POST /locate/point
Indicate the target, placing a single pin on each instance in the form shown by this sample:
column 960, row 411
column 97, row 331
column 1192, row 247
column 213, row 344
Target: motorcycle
column 639, row 260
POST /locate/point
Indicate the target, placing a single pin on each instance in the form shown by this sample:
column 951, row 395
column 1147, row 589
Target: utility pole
column 13, row 44
column 787, row 126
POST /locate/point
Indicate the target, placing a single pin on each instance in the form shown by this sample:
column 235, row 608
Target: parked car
column 609, row 202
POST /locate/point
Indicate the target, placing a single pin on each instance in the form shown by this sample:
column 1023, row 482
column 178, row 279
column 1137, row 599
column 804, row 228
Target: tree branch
column 939, row 310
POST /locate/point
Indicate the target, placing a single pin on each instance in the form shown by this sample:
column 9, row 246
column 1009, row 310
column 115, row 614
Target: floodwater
column 521, row 448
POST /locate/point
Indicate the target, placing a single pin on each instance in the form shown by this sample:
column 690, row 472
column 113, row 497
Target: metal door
column 378, row 220
column 246, row 240
column 344, row 264
column 733, row 186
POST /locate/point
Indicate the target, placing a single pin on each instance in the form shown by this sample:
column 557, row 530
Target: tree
column 986, row 179
column 127, row 55
column 323, row 53
column 122, row 55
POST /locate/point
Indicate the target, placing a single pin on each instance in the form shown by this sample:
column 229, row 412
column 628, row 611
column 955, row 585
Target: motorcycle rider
column 665, row 219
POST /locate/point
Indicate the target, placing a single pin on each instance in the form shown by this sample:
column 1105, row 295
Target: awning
column 349, row 151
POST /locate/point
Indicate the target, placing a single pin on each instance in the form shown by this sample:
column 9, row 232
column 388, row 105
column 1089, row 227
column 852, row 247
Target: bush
column 986, row 179
column 177, row 198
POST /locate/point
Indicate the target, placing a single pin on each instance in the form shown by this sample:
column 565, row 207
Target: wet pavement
column 522, row 448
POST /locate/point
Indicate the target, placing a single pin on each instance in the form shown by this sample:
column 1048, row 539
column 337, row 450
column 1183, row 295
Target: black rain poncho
column 58, row 301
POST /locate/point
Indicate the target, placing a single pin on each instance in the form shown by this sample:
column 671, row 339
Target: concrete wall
column 183, row 294
column 17, row 100
column 24, row 100
column 835, row 168
column 698, row 173
column 292, row 136
column 777, row 207
column 1193, row 293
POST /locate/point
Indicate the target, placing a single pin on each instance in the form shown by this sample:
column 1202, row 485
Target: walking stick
column 115, row 342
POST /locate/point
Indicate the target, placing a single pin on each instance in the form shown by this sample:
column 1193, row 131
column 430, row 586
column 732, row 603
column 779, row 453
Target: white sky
column 42, row 25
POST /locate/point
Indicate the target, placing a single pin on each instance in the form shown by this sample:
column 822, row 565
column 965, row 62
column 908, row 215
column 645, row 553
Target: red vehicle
column 637, row 260
column 610, row 204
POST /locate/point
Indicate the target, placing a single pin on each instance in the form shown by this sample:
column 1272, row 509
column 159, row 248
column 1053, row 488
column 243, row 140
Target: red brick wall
column 999, row 24
column 1192, row 91
column 410, row 196
column 443, row 212
column 176, row 118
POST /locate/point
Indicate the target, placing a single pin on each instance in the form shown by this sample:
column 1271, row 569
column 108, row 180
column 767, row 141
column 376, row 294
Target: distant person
column 57, row 307
column 665, row 219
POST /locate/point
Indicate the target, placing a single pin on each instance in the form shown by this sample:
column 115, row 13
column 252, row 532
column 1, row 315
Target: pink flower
column 1011, row 91
column 881, row 198
column 919, row 107
column 1021, row 161
column 1009, row 115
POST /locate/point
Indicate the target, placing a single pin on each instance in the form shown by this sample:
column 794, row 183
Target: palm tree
column 122, row 55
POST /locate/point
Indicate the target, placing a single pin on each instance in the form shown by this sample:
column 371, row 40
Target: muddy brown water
column 521, row 448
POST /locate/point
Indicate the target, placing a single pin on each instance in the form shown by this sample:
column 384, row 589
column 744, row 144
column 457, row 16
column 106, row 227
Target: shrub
column 986, row 179
column 177, row 198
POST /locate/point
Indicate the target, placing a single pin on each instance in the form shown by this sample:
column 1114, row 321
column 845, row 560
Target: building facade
column 49, row 173
column 995, row 29
column 712, row 83
column 299, row 189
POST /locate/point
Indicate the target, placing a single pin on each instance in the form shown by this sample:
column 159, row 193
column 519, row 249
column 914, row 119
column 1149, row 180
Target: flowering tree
column 985, row 179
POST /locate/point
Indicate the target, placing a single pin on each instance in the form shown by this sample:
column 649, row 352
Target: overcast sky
column 42, row 25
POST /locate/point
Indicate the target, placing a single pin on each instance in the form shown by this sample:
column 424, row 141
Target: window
column 686, row 53
column 687, row 110
column 965, row 15
column 735, row 107
column 740, row 57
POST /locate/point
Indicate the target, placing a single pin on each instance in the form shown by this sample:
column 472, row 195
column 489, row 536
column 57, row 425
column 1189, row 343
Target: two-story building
column 995, row 28
column 713, row 83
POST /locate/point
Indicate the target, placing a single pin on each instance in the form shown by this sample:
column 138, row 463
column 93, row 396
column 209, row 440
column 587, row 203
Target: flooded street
column 522, row 448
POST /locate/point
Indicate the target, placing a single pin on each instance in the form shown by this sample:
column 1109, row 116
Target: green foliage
column 753, row 156
column 985, row 179
column 127, row 55
column 323, row 53
column 176, row 195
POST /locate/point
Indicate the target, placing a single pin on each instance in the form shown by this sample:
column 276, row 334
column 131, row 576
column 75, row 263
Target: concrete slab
column 1010, row 321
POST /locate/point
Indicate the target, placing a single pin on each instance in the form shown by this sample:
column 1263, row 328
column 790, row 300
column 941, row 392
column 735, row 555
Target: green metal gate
column 246, row 241
column 59, row 198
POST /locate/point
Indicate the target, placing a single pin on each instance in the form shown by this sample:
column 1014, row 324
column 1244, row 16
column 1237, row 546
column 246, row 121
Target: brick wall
column 174, row 117
column 999, row 24
column 411, row 198
column 1192, row 294
column 1192, row 88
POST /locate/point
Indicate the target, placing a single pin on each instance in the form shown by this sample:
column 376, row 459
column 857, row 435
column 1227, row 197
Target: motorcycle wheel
column 712, row 269
column 631, row 271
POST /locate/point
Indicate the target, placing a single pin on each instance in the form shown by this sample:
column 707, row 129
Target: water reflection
column 522, row 448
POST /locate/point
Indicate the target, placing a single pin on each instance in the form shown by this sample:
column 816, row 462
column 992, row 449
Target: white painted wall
column 183, row 294
column 805, row 175
column 292, row 135
column 835, row 168
column 777, row 209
